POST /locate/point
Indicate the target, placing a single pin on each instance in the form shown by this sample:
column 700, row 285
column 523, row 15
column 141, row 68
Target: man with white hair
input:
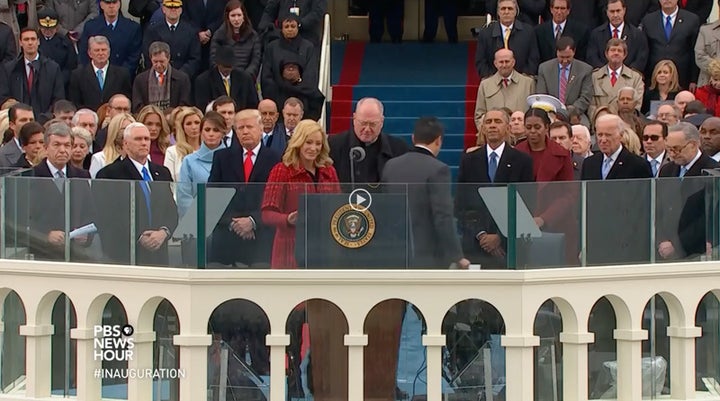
column 581, row 141
column 614, row 162
column 155, row 210
column 668, row 113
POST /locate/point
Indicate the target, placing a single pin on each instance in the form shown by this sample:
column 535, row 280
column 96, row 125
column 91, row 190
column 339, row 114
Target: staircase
column 412, row 80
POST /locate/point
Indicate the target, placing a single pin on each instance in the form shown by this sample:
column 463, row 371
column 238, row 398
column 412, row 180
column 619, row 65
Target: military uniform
column 56, row 47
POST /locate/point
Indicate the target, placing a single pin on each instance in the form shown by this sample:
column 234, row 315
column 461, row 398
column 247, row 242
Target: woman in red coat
column 306, row 168
column 710, row 94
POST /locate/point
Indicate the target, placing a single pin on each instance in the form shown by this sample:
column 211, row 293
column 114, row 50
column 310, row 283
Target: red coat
column 282, row 194
column 706, row 94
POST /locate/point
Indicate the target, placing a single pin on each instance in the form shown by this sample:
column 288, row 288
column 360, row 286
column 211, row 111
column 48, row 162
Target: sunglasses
column 653, row 138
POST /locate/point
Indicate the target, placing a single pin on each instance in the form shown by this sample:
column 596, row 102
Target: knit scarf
column 159, row 95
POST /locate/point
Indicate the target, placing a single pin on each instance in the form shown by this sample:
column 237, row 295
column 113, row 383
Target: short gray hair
column 582, row 130
column 690, row 131
column 80, row 112
column 615, row 118
column 628, row 89
column 58, row 128
column 517, row 6
column 372, row 100
column 98, row 39
column 159, row 47
column 82, row 133
column 128, row 130
column 116, row 96
column 674, row 107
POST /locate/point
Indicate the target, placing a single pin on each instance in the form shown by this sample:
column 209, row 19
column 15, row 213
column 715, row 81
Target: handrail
column 324, row 77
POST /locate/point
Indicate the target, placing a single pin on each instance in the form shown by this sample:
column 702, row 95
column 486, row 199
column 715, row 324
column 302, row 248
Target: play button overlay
column 360, row 200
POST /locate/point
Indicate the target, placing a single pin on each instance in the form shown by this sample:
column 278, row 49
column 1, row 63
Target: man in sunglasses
column 653, row 142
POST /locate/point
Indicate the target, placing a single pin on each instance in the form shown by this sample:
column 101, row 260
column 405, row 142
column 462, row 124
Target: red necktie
column 506, row 82
column 616, row 33
column 563, row 83
column 30, row 77
column 613, row 78
column 248, row 166
column 683, row 3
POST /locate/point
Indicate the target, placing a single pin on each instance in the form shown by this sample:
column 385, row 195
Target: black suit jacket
column 227, row 247
column 47, row 211
column 472, row 213
column 8, row 49
column 634, row 38
column 588, row 12
column 85, row 90
column 113, row 218
column 48, row 84
column 278, row 140
column 701, row 8
column 530, row 10
column 681, row 211
column 627, row 166
column 682, row 39
column 637, row 9
column 209, row 86
column 179, row 89
column 203, row 16
column 522, row 42
column 546, row 39
column 340, row 145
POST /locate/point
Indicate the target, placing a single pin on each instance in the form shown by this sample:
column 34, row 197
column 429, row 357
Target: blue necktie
column 668, row 28
column 100, row 78
column 492, row 166
column 683, row 170
column 654, row 164
column 607, row 165
column 146, row 191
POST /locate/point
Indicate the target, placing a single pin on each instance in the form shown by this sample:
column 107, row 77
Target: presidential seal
column 352, row 228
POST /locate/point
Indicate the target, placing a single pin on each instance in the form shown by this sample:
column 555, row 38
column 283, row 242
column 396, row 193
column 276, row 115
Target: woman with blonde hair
column 708, row 94
column 631, row 141
column 154, row 120
column 664, row 84
column 113, row 144
column 187, row 139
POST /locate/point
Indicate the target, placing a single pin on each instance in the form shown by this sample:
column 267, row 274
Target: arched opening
column 548, row 356
column 166, row 355
column 114, row 385
column 602, row 354
column 473, row 359
column 317, row 357
column 64, row 348
column 656, row 349
column 707, row 347
column 238, row 360
column 12, row 357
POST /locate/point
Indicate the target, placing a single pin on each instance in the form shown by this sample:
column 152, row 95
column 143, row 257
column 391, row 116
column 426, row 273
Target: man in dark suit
column 509, row 33
column 588, row 12
column 207, row 16
column 494, row 162
column 34, row 79
column 179, row 34
column 681, row 203
column 549, row 32
column 224, row 80
column 143, row 9
column 241, row 238
column 47, row 211
column 8, row 49
column 92, row 85
column 671, row 32
column 614, row 220
column 575, row 88
column 367, row 134
column 653, row 138
column 618, row 27
column 56, row 47
column 162, row 85
column 701, row 8
column 124, row 35
column 18, row 115
column 434, row 238
column 637, row 9
column 155, row 210
column 273, row 132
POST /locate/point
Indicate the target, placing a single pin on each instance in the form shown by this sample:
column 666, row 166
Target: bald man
column 506, row 88
column 273, row 132
column 682, row 99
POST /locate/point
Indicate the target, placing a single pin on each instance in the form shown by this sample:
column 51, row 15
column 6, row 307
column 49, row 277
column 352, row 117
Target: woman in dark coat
column 237, row 32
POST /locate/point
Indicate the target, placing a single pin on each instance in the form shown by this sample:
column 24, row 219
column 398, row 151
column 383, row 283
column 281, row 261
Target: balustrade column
column 194, row 365
column 38, row 359
column 434, row 344
column 278, row 343
column 629, row 363
column 519, row 366
column 356, row 369
column 575, row 364
column 682, row 361
column 88, row 387
column 140, row 388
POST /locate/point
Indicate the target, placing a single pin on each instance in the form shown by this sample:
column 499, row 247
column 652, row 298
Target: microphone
column 357, row 154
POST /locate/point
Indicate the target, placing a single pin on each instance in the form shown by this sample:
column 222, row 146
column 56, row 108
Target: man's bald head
column 504, row 62
column 710, row 136
column 269, row 114
column 682, row 99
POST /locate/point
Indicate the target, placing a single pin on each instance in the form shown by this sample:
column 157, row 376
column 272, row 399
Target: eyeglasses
column 368, row 124
column 653, row 138
column 676, row 149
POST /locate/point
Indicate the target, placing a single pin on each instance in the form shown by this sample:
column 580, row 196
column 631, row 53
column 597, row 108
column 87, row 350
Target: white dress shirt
column 673, row 17
column 613, row 157
column 54, row 170
column 498, row 151
column 140, row 167
column 255, row 151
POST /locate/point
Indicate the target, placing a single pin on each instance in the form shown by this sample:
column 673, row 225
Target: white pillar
column 575, row 365
column 193, row 364
column 682, row 361
column 38, row 361
column 629, row 363
column 356, row 344
column 434, row 344
column 140, row 388
column 88, row 386
column 519, row 358
column 277, row 343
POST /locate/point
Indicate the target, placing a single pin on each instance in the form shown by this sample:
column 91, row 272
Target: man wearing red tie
column 618, row 27
column 613, row 76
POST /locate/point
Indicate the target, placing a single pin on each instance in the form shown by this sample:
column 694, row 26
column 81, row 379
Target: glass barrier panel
column 712, row 200
column 602, row 353
column 64, row 348
column 17, row 193
column 656, row 350
column 549, row 355
column 707, row 348
column 12, row 346
column 166, row 355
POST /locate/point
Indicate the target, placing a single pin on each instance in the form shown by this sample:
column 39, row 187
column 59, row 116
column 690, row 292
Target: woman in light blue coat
column 195, row 168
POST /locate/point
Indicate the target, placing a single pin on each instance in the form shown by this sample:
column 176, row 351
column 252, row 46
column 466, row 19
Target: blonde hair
column 112, row 151
column 182, row 146
column 304, row 129
column 674, row 85
column 163, row 139
column 631, row 140
column 4, row 121
column 714, row 68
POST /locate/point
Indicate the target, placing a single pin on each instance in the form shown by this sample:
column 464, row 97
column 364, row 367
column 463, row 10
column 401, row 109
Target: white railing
column 324, row 77
column 517, row 296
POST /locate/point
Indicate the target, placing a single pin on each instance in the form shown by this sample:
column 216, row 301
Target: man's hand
column 56, row 237
column 490, row 242
column 666, row 249
column 242, row 226
column 81, row 239
column 204, row 36
column 153, row 239
column 292, row 218
column 73, row 36
column 539, row 221
column 463, row 264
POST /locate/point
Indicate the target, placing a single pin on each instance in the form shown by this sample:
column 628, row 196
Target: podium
column 333, row 234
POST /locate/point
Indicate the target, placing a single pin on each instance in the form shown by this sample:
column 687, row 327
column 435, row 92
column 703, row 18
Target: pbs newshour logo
column 113, row 342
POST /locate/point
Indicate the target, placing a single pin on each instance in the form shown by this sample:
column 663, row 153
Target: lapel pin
column 509, row 165
column 620, row 163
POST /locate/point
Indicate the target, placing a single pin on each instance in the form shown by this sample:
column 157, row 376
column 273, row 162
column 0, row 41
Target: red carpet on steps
column 341, row 111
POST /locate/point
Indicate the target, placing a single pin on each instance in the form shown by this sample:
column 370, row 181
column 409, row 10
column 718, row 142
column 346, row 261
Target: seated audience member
column 82, row 140
column 710, row 137
column 195, row 169
column 696, row 113
column 708, row 94
column 58, row 48
column 180, row 34
column 273, row 132
column 154, row 120
column 162, row 85
column 64, row 110
column 311, row 14
column 609, row 79
column 88, row 120
column 113, row 149
column 581, row 141
column 663, row 85
column 241, row 237
column 18, row 115
column 506, row 88
column 292, row 112
column 237, row 33
column 32, row 142
column 627, row 109
column 47, row 210
column 155, row 211
column 653, row 141
column 290, row 45
column 225, row 80
column 682, row 99
column 116, row 105
column 187, row 137
column 292, row 84
column 669, row 113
